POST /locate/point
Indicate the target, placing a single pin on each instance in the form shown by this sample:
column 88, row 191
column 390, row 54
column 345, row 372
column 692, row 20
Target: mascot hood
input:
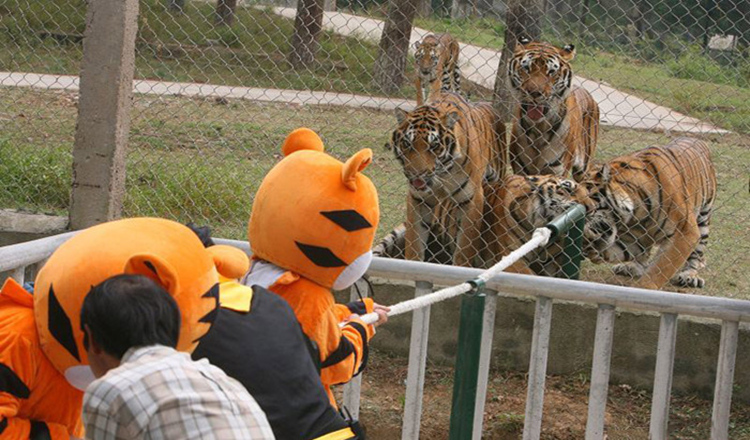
column 165, row 251
column 314, row 215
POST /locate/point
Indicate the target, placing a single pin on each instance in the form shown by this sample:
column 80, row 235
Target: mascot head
column 165, row 251
column 314, row 215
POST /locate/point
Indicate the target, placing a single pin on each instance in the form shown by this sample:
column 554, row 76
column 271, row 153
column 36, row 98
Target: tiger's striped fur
column 436, row 58
column 519, row 205
column 447, row 150
column 555, row 127
column 656, row 197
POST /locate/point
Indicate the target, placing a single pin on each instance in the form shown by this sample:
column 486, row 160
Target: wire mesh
column 219, row 85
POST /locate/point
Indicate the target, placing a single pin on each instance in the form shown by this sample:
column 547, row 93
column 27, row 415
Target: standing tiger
column 555, row 127
column 447, row 149
column 436, row 58
column 658, row 196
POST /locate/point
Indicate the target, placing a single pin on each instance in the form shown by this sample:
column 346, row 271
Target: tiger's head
column 533, row 201
column 608, row 204
column 427, row 56
column 540, row 76
column 426, row 145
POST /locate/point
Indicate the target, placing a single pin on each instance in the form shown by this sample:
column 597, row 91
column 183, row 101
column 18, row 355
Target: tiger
column 514, row 208
column 555, row 126
column 657, row 196
column 436, row 57
column 447, row 149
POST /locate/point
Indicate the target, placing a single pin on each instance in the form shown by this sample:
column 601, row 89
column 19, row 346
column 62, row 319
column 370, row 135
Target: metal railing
column 607, row 298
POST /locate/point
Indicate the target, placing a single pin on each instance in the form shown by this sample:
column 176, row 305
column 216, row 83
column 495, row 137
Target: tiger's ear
column 450, row 120
column 568, row 52
column 229, row 261
column 154, row 267
column 522, row 41
column 400, row 114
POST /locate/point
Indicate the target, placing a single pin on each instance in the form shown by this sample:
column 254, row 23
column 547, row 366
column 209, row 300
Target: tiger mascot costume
column 447, row 149
column 437, row 66
column 658, row 196
column 311, row 229
column 43, row 363
column 555, row 127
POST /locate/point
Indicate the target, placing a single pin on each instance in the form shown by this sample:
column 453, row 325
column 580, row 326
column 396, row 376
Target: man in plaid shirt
column 145, row 388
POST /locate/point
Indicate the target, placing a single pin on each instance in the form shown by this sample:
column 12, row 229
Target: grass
column 202, row 159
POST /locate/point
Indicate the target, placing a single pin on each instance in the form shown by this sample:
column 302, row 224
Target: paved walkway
column 479, row 65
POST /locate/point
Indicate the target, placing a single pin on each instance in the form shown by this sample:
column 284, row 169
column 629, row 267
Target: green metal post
column 467, row 367
column 571, row 222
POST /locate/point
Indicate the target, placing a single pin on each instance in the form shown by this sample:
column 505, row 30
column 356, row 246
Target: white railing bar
column 30, row 252
column 353, row 388
column 19, row 274
column 665, row 353
column 569, row 290
column 599, row 387
column 420, row 331
column 516, row 285
column 532, row 426
column 724, row 380
column 485, row 356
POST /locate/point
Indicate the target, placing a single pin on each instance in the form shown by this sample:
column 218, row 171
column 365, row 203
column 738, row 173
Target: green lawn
column 201, row 160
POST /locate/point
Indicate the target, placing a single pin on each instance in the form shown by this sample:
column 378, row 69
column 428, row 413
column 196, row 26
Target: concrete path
column 479, row 65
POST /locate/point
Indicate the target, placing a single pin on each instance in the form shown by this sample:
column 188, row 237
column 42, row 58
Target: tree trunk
column 708, row 22
column 389, row 69
column 176, row 5
column 225, row 10
column 424, row 9
column 585, row 10
column 329, row 5
column 307, row 27
column 523, row 19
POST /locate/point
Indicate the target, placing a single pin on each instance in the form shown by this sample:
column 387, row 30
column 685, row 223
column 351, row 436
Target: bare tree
column 307, row 27
column 176, row 5
column 225, row 10
column 394, row 45
column 522, row 19
column 424, row 9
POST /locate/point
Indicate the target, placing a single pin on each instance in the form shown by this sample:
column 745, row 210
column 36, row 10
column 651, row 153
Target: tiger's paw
column 688, row 278
column 631, row 270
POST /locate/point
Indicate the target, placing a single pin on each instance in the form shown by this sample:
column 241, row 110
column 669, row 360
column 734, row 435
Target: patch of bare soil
column 565, row 407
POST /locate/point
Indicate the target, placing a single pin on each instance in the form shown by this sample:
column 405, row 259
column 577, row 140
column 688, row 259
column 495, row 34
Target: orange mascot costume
column 43, row 365
column 311, row 230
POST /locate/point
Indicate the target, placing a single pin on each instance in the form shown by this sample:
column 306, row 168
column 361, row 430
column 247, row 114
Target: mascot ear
column 302, row 139
column 230, row 262
column 354, row 165
column 155, row 268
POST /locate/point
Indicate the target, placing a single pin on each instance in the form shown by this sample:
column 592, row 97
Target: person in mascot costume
column 43, row 364
column 311, row 230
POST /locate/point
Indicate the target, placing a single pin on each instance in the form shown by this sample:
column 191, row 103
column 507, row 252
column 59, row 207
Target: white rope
column 540, row 238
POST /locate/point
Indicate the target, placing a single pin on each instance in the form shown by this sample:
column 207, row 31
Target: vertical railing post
column 467, row 366
column 532, row 426
column 572, row 249
column 352, row 390
column 420, row 330
column 724, row 380
column 485, row 356
column 605, row 329
column 19, row 274
column 665, row 352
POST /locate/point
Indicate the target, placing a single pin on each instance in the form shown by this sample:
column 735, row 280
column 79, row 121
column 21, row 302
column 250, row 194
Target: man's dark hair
column 128, row 311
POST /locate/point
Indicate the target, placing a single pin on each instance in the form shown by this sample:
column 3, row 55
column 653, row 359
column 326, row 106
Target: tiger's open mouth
column 418, row 184
column 534, row 112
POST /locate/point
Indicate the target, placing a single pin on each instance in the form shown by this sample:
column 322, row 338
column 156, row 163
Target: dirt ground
column 565, row 407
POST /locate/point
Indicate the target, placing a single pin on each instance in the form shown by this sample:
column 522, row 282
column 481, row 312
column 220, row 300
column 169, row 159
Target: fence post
column 103, row 112
column 467, row 366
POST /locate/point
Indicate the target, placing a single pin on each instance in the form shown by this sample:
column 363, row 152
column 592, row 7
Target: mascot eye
column 349, row 219
column 59, row 325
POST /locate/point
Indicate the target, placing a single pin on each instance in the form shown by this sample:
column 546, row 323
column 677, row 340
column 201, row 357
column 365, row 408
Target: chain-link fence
column 218, row 86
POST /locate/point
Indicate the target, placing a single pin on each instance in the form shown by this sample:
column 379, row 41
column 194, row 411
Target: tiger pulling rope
column 540, row 238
